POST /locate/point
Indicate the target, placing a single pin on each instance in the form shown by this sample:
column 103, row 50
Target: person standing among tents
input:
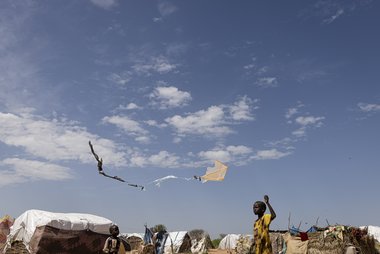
column 113, row 244
column 159, row 240
column 262, row 243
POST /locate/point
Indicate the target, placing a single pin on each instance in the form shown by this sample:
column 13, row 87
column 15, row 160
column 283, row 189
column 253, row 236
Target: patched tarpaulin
column 45, row 232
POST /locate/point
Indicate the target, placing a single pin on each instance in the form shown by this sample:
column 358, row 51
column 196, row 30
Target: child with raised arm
column 261, row 227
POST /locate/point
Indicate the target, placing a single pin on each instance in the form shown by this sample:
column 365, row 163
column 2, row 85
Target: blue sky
column 286, row 93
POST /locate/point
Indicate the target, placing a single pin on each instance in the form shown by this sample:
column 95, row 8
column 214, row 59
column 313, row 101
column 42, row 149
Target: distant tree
column 216, row 242
column 158, row 228
column 197, row 234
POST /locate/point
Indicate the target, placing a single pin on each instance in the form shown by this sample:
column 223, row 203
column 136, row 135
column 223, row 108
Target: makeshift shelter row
column 337, row 239
column 37, row 231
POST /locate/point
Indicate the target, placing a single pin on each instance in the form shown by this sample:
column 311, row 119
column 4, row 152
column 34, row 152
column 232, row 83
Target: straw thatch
column 334, row 240
column 317, row 244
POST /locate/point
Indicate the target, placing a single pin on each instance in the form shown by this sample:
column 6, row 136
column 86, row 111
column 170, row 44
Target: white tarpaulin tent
column 229, row 242
column 25, row 226
column 373, row 231
column 178, row 241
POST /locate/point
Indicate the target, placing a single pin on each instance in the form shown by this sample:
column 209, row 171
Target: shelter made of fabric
column 229, row 242
column 177, row 242
column 42, row 232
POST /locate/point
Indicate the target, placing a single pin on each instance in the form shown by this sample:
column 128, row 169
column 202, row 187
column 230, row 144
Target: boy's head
column 259, row 208
column 114, row 230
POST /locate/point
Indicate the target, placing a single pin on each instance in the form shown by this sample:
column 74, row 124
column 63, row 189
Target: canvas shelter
column 373, row 231
column 229, row 242
column 200, row 241
column 177, row 242
column 199, row 246
column 41, row 232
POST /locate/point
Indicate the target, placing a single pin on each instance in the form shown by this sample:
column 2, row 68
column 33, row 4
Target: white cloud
column 157, row 20
column 210, row 121
column 166, row 8
column 310, row 120
column 262, row 70
column 221, row 155
column 300, row 132
column 105, row 4
column 249, row 66
column 252, row 65
column 237, row 154
column 22, row 170
column 163, row 159
column 334, row 17
column 241, row 110
column 267, row 82
column 143, row 139
column 307, row 122
column 238, row 150
column 169, row 97
column 272, row 154
column 132, row 106
column 366, row 107
column 38, row 169
column 213, row 121
column 331, row 10
column 120, row 79
column 129, row 126
column 290, row 112
column 155, row 124
column 160, row 64
column 177, row 140
column 54, row 140
column 285, row 144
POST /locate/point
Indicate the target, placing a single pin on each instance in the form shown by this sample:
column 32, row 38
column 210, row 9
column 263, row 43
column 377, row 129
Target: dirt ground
column 218, row 251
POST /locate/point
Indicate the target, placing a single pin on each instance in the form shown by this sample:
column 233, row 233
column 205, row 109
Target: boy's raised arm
column 272, row 212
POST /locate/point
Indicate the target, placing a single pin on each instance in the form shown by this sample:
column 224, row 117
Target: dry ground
column 218, row 251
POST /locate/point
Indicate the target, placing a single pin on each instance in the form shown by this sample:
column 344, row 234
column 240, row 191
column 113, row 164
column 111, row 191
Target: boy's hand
column 266, row 199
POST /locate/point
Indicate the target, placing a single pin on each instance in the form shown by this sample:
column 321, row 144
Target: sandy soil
column 218, row 251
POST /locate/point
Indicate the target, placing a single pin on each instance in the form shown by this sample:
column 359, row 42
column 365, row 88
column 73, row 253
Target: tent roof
column 373, row 231
column 229, row 241
column 139, row 235
column 176, row 238
column 25, row 225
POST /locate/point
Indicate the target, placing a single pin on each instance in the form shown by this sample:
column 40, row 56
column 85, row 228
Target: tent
column 373, row 231
column 229, row 242
column 177, row 242
column 133, row 241
column 200, row 241
column 41, row 232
